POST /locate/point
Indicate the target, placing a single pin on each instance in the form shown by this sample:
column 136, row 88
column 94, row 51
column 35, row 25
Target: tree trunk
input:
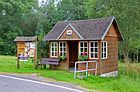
column 134, row 57
column 125, row 52
column 126, row 58
column 138, row 55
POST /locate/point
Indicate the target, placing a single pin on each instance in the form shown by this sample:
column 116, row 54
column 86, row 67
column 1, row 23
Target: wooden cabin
column 98, row 38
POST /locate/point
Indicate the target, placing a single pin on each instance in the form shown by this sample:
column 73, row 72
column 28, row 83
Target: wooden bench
column 48, row 61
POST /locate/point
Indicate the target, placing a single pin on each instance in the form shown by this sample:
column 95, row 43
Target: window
column 62, row 48
column 83, row 47
column 93, row 51
column 104, row 50
column 54, row 49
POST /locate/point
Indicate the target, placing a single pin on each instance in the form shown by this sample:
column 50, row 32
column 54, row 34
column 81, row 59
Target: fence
column 86, row 70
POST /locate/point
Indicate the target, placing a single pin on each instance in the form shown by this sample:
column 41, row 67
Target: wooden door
column 73, row 53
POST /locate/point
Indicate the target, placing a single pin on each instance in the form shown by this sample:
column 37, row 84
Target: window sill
column 93, row 58
column 53, row 57
column 104, row 58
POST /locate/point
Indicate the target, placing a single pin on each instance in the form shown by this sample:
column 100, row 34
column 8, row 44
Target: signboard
column 26, row 50
column 69, row 32
column 30, row 46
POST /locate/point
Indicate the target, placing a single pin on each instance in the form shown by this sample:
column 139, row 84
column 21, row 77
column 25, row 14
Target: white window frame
column 63, row 47
column 55, row 49
column 93, row 50
column 104, row 52
column 83, row 47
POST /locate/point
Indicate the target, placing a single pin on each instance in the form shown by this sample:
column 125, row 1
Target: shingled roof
column 90, row 29
column 25, row 39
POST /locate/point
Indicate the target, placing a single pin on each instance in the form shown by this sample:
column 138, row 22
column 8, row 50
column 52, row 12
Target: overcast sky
column 39, row 1
column 55, row 2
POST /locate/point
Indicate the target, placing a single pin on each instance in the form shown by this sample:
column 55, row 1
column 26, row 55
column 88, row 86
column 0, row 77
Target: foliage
column 12, row 13
column 127, row 81
column 62, row 58
column 83, row 57
column 126, row 13
column 26, row 18
column 71, row 9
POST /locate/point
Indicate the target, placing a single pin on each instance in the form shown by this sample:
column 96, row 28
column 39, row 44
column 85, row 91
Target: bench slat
column 49, row 61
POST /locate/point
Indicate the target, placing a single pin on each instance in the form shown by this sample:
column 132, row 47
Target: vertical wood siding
column 111, row 63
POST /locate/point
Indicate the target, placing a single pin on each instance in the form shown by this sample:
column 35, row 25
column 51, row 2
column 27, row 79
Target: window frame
column 55, row 43
column 83, row 47
column 104, row 52
column 94, row 52
column 63, row 48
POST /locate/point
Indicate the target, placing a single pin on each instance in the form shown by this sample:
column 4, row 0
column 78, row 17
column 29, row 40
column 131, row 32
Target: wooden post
column 35, row 56
column 18, row 64
column 67, row 53
column 99, row 63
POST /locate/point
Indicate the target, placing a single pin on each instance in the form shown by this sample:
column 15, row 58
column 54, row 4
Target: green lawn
column 127, row 81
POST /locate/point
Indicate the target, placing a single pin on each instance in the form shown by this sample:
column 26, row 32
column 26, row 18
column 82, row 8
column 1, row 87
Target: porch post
column 99, row 55
column 67, row 53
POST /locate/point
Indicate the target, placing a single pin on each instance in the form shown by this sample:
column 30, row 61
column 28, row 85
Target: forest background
column 28, row 18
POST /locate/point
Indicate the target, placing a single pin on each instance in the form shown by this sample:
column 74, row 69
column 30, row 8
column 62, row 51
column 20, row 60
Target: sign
column 30, row 48
column 69, row 32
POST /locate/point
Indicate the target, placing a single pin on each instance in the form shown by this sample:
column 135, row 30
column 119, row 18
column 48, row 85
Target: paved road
column 14, row 84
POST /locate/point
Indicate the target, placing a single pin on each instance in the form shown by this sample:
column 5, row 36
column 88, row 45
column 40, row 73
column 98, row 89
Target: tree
column 127, row 15
column 71, row 9
column 11, row 16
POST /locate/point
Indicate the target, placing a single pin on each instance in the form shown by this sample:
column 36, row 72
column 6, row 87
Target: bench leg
column 50, row 67
column 44, row 66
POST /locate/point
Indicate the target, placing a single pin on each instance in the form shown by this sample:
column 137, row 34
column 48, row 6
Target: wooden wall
column 64, row 65
column 104, row 65
column 111, row 63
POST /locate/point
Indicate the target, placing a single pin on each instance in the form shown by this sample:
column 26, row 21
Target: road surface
column 14, row 84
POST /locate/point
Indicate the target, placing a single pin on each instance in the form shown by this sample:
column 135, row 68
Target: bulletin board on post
column 26, row 49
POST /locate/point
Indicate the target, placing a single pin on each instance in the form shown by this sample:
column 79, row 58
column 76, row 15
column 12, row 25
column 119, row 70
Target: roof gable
column 74, row 34
column 112, row 32
column 90, row 29
column 113, row 27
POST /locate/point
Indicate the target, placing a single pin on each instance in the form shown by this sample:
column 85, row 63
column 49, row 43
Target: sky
column 56, row 2
column 39, row 1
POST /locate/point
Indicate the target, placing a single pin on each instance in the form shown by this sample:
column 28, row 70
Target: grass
column 127, row 81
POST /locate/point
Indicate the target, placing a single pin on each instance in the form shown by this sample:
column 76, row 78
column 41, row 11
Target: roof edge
column 44, row 39
column 36, row 38
column 113, row 18
column 97, row 39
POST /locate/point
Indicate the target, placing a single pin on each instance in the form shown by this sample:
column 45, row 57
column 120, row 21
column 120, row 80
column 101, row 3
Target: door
column 73, row 53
